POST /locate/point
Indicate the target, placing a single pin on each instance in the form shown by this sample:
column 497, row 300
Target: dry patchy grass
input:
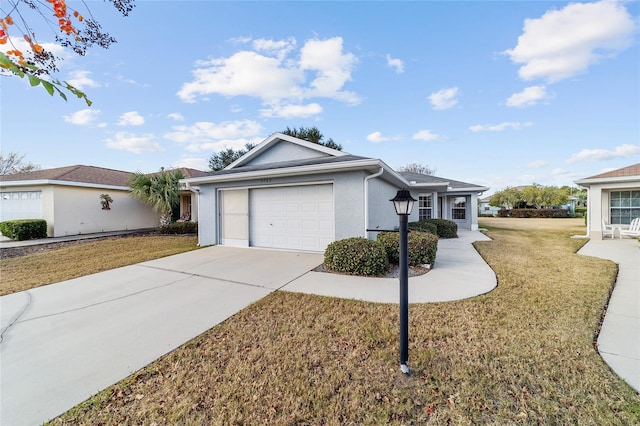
column 51, row 266
column 522, row 354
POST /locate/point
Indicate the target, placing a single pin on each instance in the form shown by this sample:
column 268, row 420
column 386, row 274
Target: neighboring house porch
column 614, row 199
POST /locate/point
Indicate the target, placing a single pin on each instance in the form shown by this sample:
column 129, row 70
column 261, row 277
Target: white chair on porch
column 607, row 230
column 634, row 229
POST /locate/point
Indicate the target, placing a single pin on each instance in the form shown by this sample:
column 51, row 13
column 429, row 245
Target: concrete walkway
column 64, row 342
column 619, row 339
column 459, row 273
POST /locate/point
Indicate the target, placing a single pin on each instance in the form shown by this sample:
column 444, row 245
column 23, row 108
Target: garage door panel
column 298, row 217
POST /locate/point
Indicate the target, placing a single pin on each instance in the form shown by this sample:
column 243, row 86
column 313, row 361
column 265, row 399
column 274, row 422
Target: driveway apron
column 64, row 342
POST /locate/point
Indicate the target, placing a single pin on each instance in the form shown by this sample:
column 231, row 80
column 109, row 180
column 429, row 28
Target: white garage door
column 20, row 205
column 292, row 217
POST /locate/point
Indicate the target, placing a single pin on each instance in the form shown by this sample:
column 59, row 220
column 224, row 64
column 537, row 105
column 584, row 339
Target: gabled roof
column 78, row 174
column 276, row 138
column 422, row 180
column 624, row 174
column 328, row 160
column 299, row 168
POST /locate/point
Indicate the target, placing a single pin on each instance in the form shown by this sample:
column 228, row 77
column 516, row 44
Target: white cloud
column 176, row 116
column 273, row 74
column 499, row 127
column 208, row 132
column 565, row 42
column 396, row 64
column 278, row 48
column 131, row 118
column 559, row 172
column 425, row 135
column 529, row 96
column 223, row 144
column 80, row 79
column 198, row 163
column 620, row 151
column 537, row 164
column 20, row 44
column 332, row 67
column 376, row 137
column 444, row 98
column 291, row 111
column 84, row 117
column 137, row 144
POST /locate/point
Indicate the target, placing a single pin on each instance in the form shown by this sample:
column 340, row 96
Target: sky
column 495, row 93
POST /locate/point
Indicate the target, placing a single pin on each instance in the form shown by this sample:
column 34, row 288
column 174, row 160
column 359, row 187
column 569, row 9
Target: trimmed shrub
column 444, row 228
column 24, row 229
column 527, row 213
column 356, row 256
column 180, row 228
column 423, row 226
column 422, row 247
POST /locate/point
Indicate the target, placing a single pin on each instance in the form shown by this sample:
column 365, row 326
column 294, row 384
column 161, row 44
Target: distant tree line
column 537, row 196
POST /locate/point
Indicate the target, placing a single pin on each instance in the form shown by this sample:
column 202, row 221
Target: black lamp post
column 403, row 203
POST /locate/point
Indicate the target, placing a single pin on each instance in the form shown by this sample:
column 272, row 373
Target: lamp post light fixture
column 403, row 203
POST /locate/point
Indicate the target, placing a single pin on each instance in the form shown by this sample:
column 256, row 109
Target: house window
column 459, row 208
column 624, row 207
column 424, row 207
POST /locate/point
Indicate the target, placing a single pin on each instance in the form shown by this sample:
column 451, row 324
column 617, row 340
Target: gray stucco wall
column 348, row 190
column 382, row 214
column 285, row 151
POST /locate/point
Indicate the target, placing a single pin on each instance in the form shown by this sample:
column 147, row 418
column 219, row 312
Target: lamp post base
column 404, row 368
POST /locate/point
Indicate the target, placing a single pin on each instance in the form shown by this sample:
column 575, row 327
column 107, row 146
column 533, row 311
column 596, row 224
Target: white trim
column 603, row 181
column 61, row 183
column 265, row 144
column 289, row 171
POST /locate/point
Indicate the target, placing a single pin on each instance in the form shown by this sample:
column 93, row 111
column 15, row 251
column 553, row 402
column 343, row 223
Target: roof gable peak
column 277, row 138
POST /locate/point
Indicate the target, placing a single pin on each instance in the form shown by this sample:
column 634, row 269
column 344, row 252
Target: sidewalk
column 619, row 339
column 459, row 273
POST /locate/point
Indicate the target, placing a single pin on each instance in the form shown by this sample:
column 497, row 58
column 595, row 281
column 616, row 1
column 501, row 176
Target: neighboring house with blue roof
column 288, row 193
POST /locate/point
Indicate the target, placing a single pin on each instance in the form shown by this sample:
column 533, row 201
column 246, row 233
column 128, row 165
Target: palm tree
column 158, row 190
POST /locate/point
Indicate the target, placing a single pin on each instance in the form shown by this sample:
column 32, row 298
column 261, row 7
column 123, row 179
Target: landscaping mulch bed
column 394, row 271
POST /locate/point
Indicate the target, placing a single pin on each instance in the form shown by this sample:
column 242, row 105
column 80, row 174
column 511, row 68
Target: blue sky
column 492, row 93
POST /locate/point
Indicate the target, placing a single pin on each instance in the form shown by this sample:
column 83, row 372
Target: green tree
column 508, row 198
column 311, row 134
column 14, row 163
column 221, row 159
column 158, row 190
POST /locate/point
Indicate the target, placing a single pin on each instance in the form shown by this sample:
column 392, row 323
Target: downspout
column 366, row 198
column 196, row 190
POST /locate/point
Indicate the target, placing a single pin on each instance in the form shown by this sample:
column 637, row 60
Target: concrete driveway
column 64, row 342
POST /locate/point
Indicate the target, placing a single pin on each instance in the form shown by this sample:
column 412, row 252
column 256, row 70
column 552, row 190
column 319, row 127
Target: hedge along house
column 69, row 199
column 288, row 193
column 613, row 198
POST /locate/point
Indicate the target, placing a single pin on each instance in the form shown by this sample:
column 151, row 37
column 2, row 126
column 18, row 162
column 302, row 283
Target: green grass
column 522, row 354
column 47, row 267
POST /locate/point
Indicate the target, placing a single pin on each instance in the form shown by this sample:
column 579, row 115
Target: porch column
column 474, row 212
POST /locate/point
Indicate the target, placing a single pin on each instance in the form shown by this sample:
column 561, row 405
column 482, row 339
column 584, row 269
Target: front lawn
column 86, row 257
column 522, row 354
